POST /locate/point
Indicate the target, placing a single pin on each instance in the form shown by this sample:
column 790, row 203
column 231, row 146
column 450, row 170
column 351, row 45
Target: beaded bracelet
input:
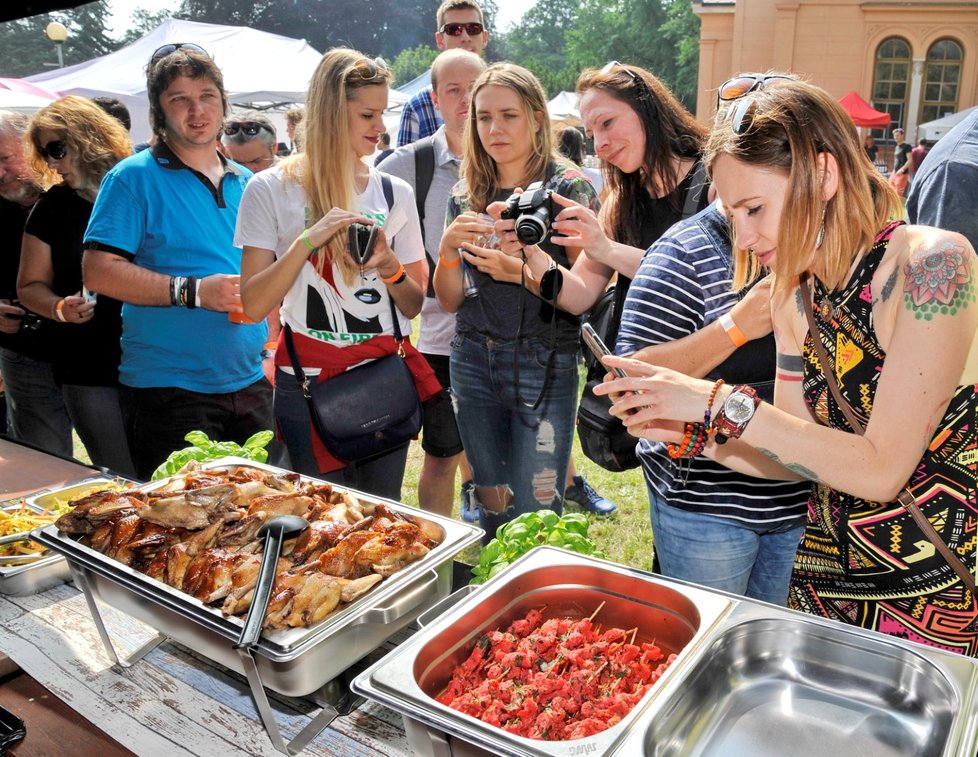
column 694, row 440
column 708, row 415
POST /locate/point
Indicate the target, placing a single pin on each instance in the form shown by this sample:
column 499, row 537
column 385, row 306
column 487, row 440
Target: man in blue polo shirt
column 160, row 240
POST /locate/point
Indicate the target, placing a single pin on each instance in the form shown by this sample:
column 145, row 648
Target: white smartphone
column 598, row 347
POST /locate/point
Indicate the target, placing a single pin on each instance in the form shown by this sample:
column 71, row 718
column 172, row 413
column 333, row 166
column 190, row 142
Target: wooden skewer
column 595, row 613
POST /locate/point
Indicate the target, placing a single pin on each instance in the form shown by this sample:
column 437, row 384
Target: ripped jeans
column 518, row 450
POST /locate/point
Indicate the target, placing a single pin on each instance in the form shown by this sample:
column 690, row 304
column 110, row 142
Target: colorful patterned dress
column 867, row 563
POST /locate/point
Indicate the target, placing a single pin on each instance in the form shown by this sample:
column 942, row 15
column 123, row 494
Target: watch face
column 739, row 408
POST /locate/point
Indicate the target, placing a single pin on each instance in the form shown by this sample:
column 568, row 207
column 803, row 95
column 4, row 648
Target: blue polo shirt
column 166, row 217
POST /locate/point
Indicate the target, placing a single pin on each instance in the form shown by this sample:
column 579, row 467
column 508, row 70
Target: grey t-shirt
column 503, row 310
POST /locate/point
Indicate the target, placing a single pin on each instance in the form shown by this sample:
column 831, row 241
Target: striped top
column 683, row 284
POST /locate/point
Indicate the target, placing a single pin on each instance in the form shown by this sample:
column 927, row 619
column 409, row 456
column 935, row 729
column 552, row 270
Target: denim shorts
column 508, row 443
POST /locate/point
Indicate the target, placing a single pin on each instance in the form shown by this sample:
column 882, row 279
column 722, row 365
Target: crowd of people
column 792, row 359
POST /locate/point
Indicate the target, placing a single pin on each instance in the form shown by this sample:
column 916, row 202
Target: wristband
column 193, row 296
column 733, row 331
column 174, row 290
column 442, row 260
column 59, row 310
column 306, row 242
column 271, row 346
column 398, row 276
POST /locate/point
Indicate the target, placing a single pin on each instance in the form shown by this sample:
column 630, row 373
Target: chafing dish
column 568, row 585
column 296, row 661
column 751, row 678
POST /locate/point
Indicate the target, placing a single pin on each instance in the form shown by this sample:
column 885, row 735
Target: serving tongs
column 11, row 561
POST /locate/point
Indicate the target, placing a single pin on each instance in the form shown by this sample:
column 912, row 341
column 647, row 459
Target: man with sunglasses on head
column 35, row 409
column 460, row 25
column 161, row 240
column 249, row 139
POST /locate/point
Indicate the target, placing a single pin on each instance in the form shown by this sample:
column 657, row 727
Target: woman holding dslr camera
column 294, row 225
column 514, row 359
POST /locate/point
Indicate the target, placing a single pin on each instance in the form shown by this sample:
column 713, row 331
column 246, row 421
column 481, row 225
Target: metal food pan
column 567, row 585
column 295, row 661
column 774, row 682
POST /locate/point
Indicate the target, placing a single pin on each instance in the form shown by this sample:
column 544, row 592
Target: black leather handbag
column 366, row 411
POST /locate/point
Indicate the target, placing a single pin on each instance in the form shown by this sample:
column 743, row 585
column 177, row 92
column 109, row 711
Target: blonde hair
column 479, row 170
column 786, row 128
column 96, row 139
column 324, row 168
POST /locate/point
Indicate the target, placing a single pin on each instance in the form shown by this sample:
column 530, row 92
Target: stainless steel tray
column 296, row 661
column 567, row 584
column 755, row 679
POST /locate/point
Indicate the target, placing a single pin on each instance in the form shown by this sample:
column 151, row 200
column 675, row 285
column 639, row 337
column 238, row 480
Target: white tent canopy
column 564, row 106
column 258, row 67
column 934, row 130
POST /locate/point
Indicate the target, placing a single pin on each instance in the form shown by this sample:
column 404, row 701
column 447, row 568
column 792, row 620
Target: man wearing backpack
column 431, row 167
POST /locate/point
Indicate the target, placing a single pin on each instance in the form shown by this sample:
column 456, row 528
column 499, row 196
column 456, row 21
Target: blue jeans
column 97, row 416
column 510, row 446
column 35, row 407
column 754, row 561
column 381, row 475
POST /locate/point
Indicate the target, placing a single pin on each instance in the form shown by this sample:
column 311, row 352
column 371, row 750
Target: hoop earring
column 820, row 237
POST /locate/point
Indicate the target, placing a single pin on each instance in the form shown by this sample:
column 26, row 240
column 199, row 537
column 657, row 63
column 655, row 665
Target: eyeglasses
column 162, row 52
column 368, row 69
column 473, row 28
column 738, row 86
column 54, row 150
column 250, row 128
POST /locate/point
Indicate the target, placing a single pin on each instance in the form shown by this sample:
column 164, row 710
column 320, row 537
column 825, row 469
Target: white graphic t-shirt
column 272, row 216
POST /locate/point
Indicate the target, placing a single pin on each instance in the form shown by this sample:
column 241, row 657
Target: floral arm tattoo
column 938, row 280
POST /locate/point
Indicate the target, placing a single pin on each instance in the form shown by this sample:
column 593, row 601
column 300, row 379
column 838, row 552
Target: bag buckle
column 906, row 498
column 305, row 388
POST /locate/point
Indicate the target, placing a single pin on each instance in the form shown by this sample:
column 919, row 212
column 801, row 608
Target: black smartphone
column 362, row 239
column 598, row 347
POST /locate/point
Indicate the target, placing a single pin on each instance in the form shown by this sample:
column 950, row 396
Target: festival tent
column 22, row 96
column 259, row 68
column 564, row 107
column 934, row 130
column 862, row 113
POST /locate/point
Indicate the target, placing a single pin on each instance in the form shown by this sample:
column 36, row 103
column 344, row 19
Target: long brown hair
column 478, row 169
column 324, row 167
column 97, row 140
column 786, row 128
column 671, row 133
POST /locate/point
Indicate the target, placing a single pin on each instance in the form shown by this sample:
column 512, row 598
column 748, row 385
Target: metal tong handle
column 263, row 590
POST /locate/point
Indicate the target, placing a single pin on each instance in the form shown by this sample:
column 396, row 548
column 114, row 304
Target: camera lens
column 532, row 227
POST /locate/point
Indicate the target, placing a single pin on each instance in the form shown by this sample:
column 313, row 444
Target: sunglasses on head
column 250, row 128
column 611, row 65
column 738, row 86
column 472, row 28
column 162, row 52
column 54, row 150
column 368, row 69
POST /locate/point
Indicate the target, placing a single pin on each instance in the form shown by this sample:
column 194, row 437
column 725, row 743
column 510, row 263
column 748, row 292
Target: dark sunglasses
column 162, row 52
column 55, row 150
column 473, row 28
column 368, row 69
column 250, row 128
column 738, row 86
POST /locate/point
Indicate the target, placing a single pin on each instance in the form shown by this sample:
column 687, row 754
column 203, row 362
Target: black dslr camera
column 29, row 321
column 533, row 210
column 362, row 239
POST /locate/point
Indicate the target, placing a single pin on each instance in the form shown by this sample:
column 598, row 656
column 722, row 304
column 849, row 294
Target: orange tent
column 862, row 113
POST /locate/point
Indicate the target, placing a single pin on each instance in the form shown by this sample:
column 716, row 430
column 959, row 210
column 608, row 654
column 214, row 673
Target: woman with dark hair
column 514, row 358
column 876, row 393
column 293, row 226
column 78, row 142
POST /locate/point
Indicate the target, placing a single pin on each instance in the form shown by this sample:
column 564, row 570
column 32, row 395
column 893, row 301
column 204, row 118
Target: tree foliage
column 27, row 49
column 411, row 63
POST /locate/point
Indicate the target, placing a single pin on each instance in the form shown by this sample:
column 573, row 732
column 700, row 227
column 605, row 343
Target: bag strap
column 694, row 194
column 424, row 172
column 905, row 497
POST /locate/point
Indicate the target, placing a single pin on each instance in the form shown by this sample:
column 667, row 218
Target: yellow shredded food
column 16, row 522
column 62, row 503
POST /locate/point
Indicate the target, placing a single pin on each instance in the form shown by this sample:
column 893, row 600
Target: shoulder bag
column 905, row 497
column 366, row 411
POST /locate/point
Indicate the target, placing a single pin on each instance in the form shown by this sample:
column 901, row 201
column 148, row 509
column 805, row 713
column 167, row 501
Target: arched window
column 941, row 78
column 891, row 82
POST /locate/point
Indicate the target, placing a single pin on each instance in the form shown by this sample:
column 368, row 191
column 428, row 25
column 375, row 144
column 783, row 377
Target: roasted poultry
column 198, row 533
